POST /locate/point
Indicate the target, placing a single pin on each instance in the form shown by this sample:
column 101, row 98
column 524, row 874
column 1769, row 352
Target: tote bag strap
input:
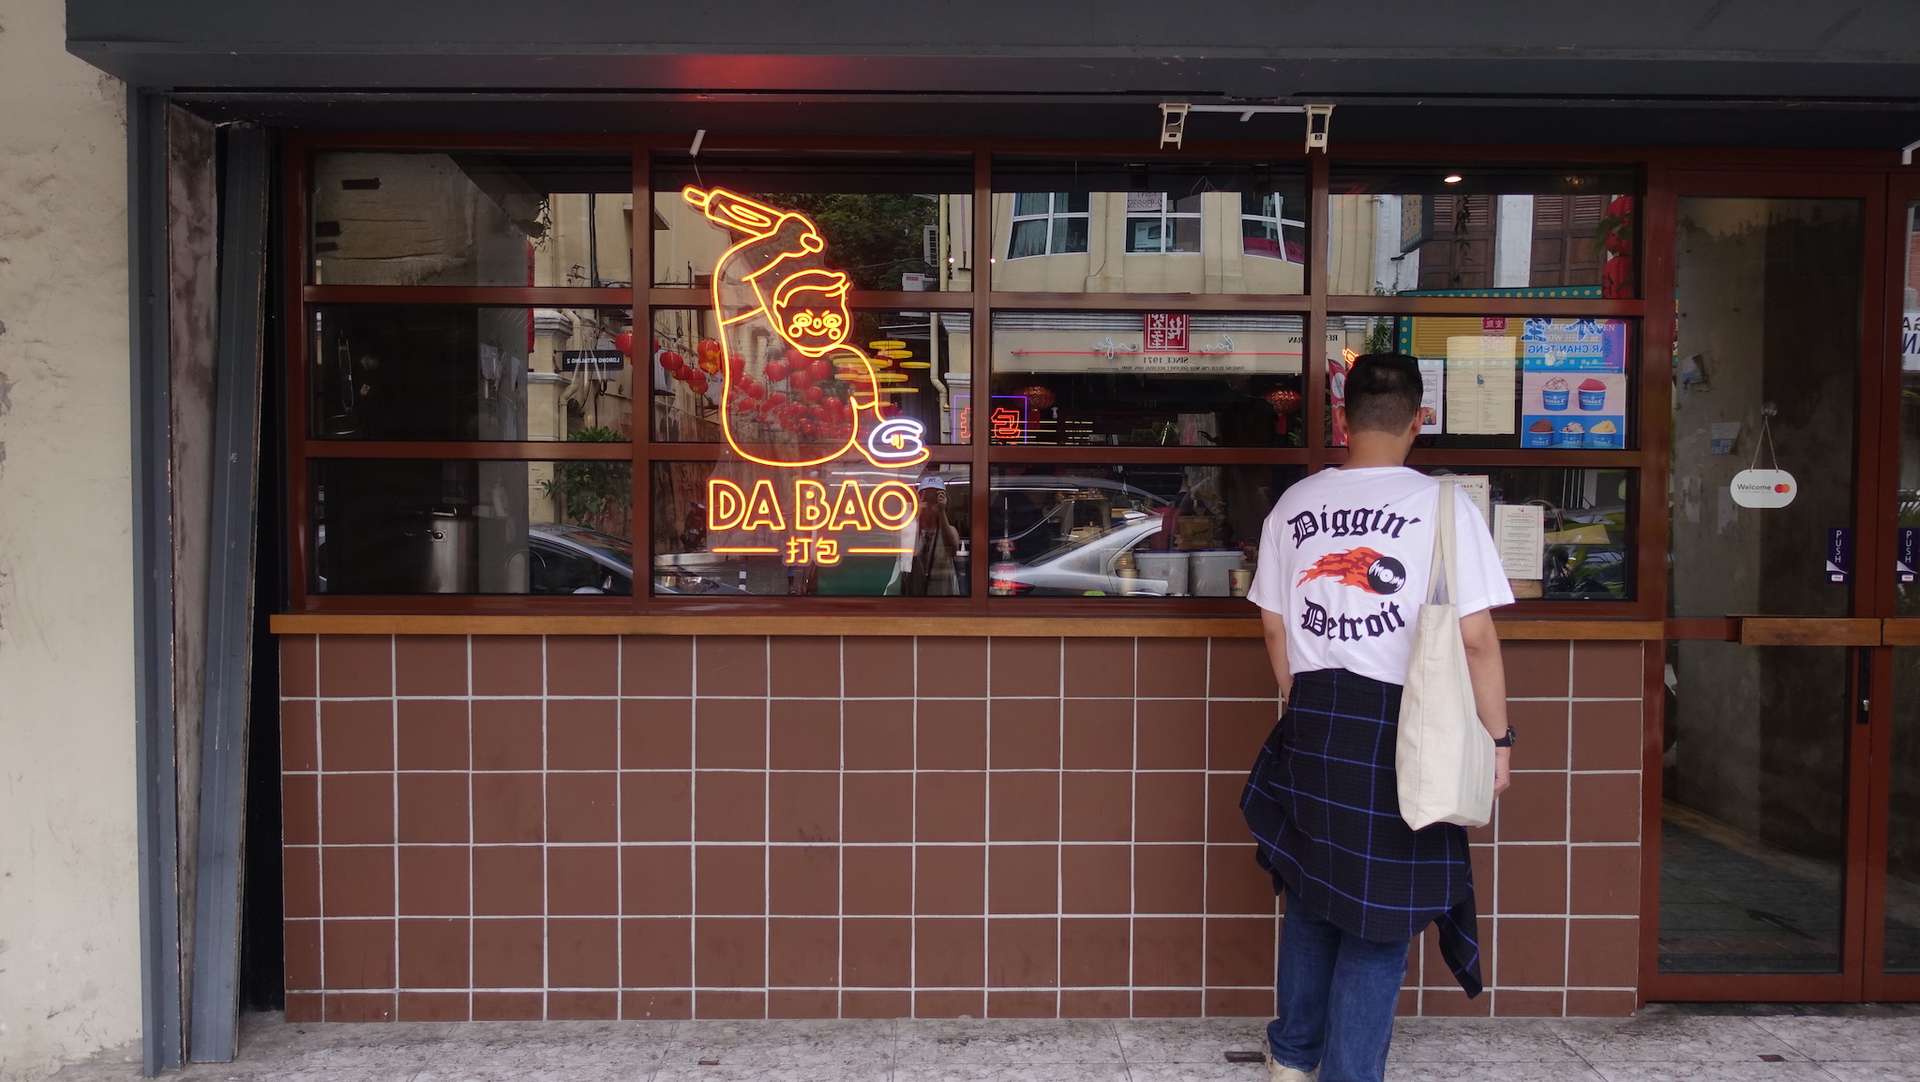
column 1441, row 571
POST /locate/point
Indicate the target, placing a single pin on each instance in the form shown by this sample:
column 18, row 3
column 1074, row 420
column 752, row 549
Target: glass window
column 842, row 529
column 1267, row 231
column 462, row 372
column 921, row 364
column 1483, row 232
column 471, row 218
column 1095, row 226
column 1588, row 528
column 889, row 223
column 425, row 526
column 1048, row 223
column 1128, row 531
column 1157, row 379
column 1533, row 382
column 1158, row 222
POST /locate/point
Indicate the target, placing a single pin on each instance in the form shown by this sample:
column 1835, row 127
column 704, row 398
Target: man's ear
column 1413, row 429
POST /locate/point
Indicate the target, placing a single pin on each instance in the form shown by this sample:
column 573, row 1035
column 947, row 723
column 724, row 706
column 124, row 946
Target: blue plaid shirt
column 1323, row 804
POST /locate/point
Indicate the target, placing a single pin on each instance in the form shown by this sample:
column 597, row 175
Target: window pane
column 905, row 532
column 1069, row 235
column 1144, row 235
column 1147, row 379
column 889, row 223
column 922, row 364
column 471, row 218
column 1493, row 232
column 1125, row 531
column 461, row 372
column 445, row 527
column 1032, row 202
column 1588, row 517
column 1186, row 235
column 1903, row 817
column 1499, row 381
column 1029, row 238
column 1126, row 203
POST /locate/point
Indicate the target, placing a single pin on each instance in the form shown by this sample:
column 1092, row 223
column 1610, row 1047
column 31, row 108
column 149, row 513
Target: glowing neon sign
column 797, row 393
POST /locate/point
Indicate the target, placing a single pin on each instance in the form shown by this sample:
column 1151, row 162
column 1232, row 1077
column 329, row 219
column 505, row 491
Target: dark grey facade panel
column 1247, row 48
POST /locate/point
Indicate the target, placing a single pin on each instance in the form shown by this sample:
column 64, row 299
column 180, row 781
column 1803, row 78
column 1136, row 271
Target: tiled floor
column 1726, row 1044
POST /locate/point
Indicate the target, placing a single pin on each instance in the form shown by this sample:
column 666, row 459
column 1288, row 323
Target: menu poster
column 1573, row 409
column 1520, row 535
column 1480, row 385
column 1433, row 381
column 1574, row 345
column 1479, row 490
column 1573, row 391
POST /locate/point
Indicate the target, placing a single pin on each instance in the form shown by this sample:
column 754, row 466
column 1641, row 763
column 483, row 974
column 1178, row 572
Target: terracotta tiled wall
column 576, row 827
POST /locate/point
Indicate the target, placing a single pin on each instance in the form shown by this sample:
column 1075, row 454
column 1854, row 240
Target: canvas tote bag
column 1444, row 757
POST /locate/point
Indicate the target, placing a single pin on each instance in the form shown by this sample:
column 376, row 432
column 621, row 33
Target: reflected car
column 563, row 559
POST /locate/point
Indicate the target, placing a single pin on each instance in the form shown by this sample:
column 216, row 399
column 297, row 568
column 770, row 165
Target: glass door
column 1893, row 851
column 1771, row 629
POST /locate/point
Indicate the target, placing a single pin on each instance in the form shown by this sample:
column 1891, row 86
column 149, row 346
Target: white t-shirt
column 1344, row 557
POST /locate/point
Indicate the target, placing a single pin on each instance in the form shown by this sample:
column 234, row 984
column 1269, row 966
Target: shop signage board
column 572, row 360
column 1910, row 342
column 796, row 396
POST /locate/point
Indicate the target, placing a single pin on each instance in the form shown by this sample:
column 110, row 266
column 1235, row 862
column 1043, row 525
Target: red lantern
column 683, row 373
column 813, row 392
column 1038, row 396
column 624, row 343
column 711, row 356
column 672, row 361
column 776, row 371
column 819, row 369
column 800, row 379
column 777, row 399
column 1285, row 404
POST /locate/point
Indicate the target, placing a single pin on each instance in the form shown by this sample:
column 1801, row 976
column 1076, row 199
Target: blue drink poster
column 1573, row 389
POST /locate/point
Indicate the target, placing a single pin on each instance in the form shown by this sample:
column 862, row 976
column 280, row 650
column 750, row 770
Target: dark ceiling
column 1706, row 72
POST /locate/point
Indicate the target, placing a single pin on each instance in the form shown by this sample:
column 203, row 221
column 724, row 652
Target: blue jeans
column 1337, row 995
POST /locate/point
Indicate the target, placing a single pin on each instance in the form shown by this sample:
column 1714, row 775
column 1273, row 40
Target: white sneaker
column 1278, row 1072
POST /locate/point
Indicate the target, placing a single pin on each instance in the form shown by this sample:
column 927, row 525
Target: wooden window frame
column 1647, row 459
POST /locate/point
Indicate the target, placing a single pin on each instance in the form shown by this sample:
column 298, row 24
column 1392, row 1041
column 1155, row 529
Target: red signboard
column 1165, row 332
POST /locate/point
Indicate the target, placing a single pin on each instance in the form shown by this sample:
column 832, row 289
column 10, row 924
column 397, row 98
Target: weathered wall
column 69, row 960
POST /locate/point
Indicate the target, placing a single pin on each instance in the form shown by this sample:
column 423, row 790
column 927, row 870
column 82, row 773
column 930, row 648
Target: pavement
column 1722, row 1043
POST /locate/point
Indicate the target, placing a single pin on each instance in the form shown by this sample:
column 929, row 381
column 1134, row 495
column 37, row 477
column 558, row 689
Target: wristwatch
column 1505, row 741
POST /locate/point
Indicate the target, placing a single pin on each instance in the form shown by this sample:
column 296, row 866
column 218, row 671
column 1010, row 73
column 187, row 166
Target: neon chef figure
column 784, row 327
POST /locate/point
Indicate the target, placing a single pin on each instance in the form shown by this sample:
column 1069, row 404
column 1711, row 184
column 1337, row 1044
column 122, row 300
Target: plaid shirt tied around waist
column 1323, row 803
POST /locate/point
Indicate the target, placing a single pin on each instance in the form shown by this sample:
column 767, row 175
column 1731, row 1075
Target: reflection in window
column 1128, row 531
column 1588, row 535
column 1108, row 379
column 1048, row 223
column 1432, row 231
column 1158, row 222
column 472, row 218
column 449, row 527
column 921, row 359
column 911, row 541
column 892, row 223
column 462, row 372
column 1266, row 231
column 1101, row 223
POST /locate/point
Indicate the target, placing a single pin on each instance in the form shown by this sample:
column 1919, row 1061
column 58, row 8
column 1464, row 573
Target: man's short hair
column 1383, row 393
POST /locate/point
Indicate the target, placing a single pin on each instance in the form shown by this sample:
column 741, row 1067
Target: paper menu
column 1520, row 536
column 1433, row 381
column 1480, row 385
column 1478, row 488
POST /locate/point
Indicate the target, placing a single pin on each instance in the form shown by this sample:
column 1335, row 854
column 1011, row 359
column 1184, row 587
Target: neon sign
column 797, row 393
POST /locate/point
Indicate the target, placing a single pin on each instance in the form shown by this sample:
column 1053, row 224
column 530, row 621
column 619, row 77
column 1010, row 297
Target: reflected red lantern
column 624, row 343
column 711, row 356
column 672, row 361
column 1038, row 396
column 776, row 371
column 1284, row 402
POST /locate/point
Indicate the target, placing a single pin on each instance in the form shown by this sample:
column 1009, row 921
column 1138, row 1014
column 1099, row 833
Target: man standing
column 1344, row 562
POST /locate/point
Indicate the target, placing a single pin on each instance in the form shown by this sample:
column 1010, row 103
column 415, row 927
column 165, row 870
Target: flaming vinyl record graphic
column 1363, row 568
